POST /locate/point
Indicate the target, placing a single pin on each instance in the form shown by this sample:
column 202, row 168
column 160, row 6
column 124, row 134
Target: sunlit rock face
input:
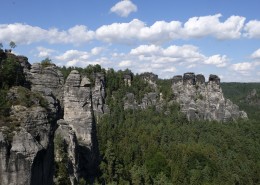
column 77, row 127
column 203, row 101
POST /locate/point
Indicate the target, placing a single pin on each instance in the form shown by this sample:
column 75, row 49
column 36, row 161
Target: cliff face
column 26, row 148
column 77, row 127
column 52, row 120
column 204, row 101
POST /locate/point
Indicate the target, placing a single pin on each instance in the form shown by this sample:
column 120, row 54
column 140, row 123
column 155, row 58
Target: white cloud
column 71, row 55
column 27, row 34
column 45, row 52
column 211, row 26
column 125, row 63
column 96, row 50
column 82, row 58
column 167, row 61
column 243, row 67
column 185, row 53
column 252, row 29
column 146, row 50
column 256, row 54
column 161, row 31
column 124, row 8
column 120, row 32
column 137, row 31
column 171, row 69
column 217, row 60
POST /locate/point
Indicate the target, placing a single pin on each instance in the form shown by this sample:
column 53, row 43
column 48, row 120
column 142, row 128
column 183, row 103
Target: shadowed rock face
column 177, row 79
column 214, row 78
column 26, row 153
column 200, row 101
column 98, row 94
column 200, row 79
column 77, row 127
column 189, row 78
column 28, row 157
column 150, row 78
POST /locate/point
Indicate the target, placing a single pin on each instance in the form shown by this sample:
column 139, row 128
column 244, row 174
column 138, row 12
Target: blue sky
column 165, row 37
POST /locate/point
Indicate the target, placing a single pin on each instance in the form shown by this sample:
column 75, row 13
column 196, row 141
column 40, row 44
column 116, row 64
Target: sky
column 167, row 37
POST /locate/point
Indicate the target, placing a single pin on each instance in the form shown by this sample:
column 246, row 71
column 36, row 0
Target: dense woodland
column 162, row 147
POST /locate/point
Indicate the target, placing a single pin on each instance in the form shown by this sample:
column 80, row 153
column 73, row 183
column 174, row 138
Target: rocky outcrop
column 203, row 101
column 128, row 79
column 98, row 95
column 252, row 98
column 26, row 150
column 149, row 99
column 48, row 81
column 150, row 78
column 77, row 128
column 130, row 102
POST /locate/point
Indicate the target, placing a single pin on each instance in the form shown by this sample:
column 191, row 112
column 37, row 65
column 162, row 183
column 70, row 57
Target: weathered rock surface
column 26, row 150
column 150, row 78
column 49, row 82
column 149, row 99
column 78, row 127
column 252, row 98
column 204, row 101
column 98, row 95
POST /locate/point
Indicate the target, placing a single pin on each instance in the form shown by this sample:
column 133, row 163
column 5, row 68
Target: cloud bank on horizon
column 164, row 47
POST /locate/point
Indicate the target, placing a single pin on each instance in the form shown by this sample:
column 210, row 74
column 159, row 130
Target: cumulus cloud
column 27, row 34
column 161, row 31
column 211, row 26
column 135, row 31
column 45, row 52
column 252, row 29
column 125, row 63
column 96, row 50
column 73, row 58
column 171, row 69
column 256, row 54
column 173, row 53
column 124, row 8
column 81, row 58
column 146, row 50
column 72, row 54
column 243, row 67
column 248, row 68
column 188, row 56
column 218, row 60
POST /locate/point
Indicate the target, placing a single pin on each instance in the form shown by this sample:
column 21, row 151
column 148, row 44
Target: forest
column 163, row 147
column 151, row 147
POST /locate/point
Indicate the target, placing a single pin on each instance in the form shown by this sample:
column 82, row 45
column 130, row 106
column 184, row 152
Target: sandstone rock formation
column 26, row 149
column 77, row 128
column 149, row 99
column 55, row 110
column 98, row 94
column 150, row 78
column 48, row 81
column 203, row 101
